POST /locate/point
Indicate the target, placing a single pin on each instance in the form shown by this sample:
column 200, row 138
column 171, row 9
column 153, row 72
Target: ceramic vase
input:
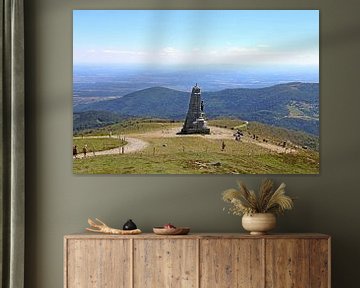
column 259, row 223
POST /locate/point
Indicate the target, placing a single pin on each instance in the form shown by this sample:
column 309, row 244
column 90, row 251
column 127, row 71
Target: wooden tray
column 171, row 231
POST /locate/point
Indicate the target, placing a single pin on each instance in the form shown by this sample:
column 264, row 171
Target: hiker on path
column 75, row 151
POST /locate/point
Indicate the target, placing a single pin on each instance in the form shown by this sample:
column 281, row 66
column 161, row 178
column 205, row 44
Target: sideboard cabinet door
column 98, row 263
column 297, row 263
column 320, row 263
column 231, row 263
column 165, row 263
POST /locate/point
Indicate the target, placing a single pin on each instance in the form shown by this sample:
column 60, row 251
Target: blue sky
column 177, row 38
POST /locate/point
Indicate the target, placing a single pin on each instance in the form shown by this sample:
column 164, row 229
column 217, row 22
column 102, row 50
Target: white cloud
column 170, row 51
column 258, row 55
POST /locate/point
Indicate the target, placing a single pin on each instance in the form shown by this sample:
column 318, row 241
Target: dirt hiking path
column 135, row 144
column 216, row 133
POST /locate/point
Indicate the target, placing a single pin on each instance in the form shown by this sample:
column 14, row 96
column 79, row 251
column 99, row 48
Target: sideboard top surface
column 87, row 235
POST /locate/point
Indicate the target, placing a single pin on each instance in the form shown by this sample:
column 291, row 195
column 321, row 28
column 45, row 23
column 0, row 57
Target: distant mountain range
column 292, row 105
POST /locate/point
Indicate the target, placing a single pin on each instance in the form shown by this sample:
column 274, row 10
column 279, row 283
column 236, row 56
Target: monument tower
column 195, row 122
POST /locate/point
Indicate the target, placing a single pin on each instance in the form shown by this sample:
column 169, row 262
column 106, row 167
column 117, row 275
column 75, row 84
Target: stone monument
column 195, row 122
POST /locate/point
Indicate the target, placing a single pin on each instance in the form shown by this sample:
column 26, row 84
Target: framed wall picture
column 196, row 92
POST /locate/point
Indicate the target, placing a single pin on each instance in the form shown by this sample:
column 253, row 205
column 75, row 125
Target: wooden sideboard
column 197, row 260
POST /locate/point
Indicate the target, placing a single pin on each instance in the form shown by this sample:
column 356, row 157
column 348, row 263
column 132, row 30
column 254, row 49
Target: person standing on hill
column 223, row 145
column 75, row 151
column 85, row 150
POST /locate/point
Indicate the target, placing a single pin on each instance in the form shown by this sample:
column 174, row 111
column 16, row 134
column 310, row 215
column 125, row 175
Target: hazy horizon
column 197, row 39
column 89, row 78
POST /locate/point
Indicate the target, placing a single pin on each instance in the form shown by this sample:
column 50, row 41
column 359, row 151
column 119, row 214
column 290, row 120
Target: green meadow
column 97, row 144
column 190, row 154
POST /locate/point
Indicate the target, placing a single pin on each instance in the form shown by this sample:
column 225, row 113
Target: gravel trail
column 133, row 145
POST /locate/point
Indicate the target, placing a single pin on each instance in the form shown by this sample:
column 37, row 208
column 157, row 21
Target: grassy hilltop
column 168, row 153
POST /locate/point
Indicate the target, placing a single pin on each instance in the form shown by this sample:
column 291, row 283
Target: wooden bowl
column 171, row 231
